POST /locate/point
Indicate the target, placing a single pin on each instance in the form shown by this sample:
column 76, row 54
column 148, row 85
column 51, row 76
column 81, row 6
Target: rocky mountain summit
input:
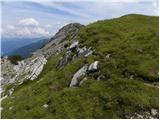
column 107, row 69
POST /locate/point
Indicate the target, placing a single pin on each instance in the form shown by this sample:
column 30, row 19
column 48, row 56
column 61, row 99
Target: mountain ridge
column 27, row 50
column 94, row 71
column 10, row 44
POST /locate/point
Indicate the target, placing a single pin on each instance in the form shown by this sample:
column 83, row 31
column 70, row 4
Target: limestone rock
column 139, row 116
column 10, row 108
column 1, row 108
column 93, row 66
column 101, row 77
column 63, row 61
column 84, row 52
column 154, row 112
column 108, row 55
column 78, row 74
column 88, row 53
column 3, row 97
column 83, row 71
column 45, row 105
column 73, row 45
column 144, row 115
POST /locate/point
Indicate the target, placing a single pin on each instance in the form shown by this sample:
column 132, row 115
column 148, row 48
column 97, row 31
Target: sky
column 43, row 18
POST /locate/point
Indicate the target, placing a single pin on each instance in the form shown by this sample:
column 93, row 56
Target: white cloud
column 41, row 31
column 156, row 11
column 29, row 22
column 11, row 27
column 23, row 32
column 25, row 28
column 31, row 32
column 155, row 4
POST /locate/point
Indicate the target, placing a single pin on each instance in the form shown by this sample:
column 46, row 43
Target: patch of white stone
column 93, row 66
column 73, row 45
column 26, row 69
column 154, row 112
column 83, row 71
column 79, row 73
column 45, row 106
column 37, row 67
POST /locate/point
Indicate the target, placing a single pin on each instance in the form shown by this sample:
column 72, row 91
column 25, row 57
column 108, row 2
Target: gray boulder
column 63, row 61
column 93, row 66
column 45, row 105
column 101, row 77
column 154, row 112
column 108, row 55
column 79, row 73
column 73, row 46
column 82, row 52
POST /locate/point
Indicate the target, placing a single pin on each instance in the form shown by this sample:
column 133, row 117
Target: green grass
column 133, row 42
column 14, row 59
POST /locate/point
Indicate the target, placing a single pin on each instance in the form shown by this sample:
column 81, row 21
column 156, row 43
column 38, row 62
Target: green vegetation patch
column 131, row 40
column 14, row 59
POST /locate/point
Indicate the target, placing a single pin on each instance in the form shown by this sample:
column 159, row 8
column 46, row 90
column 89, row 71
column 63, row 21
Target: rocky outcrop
column 101, row 77
column 77, row 53
column 7, row 71
column 27, row 69
column 30, row 68
column 36, row 66
column 153, row 114
column 57, row 42
column 82, row 72
column 73, row 46
column 79, row 73
column 63, row 61
column 93, row 66
column 108, row 55
column 82, row 52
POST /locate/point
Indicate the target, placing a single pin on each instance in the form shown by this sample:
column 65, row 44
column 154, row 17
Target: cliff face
column 30, row 68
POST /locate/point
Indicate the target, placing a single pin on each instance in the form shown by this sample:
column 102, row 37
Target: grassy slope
column 133, row 42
